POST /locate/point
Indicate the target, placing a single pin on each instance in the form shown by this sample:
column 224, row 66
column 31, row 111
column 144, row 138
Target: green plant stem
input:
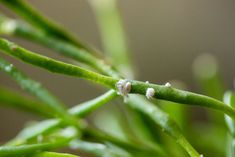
column 99, row 149
column 16, row 151
column 80, row 111
column 138, row 87
column 57, row 108
column 131, row 147
column 162, row 119
column 12, row 99
column 36, row 19
column 87, row 107
column 53, row 65
column 51, row 154
column 79, row 54
column 110, row 23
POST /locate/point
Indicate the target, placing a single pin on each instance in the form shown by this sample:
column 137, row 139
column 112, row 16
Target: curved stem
column 53, row 65
column 35, row 18
column 56, row 107
column 161, row 91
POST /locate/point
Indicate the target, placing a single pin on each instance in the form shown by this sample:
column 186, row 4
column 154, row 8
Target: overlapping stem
column 56, row 107
column 39, row 21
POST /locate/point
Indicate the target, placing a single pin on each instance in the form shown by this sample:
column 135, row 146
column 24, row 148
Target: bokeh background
column 164, row 38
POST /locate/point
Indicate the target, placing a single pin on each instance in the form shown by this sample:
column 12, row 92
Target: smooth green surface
column 52, row 154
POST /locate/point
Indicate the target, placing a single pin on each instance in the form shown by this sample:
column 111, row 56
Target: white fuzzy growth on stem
column 150, row 93
column 168, row 84
column 123, row 87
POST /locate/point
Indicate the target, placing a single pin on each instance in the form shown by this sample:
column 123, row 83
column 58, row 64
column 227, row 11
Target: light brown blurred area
column 164, row 36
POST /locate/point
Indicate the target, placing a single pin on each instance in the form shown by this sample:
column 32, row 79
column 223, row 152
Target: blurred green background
column 164, row 37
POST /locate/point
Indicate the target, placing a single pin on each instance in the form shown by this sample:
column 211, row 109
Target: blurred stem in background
column 229, row 99
column 207, row 73
column 113, row 35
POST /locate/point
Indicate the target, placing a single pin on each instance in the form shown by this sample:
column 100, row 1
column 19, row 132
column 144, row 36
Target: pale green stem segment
column 207, row 73
column 85, row 108
column 53, row 65
column 112, row 34
column 162, row 119
column 80, row 110
column 56, row 107
column 51, row 154
column 18, row 28
column 16, row 151
column 229, row 99
column 39, row 21
column 12, row 99
column 98, row 149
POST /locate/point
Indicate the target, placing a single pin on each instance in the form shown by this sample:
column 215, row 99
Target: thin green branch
column 161, row 91
column 80, row 110
column 87, row 107
column 51, row 154
column 36, row 19
column 13, row 99
column 57, row 108
column 163, row 120
column 53, row 65
column 16, row 151
column 112, row 34
column 18, row 28
column 99, row 149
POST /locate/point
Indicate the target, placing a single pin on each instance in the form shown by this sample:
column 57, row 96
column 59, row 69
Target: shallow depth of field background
column 164, row 36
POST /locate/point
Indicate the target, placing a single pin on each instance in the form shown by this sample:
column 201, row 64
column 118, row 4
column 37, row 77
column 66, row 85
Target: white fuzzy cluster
column 168, row 84
column 123, row 87
column 150, row 93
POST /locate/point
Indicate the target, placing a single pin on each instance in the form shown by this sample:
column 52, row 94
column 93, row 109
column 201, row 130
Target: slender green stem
column 18, row 28
column 35, row 18
column 161, row 91
column 32, row 86
column 53, row 65
column 87, row 107
column 51, row 154
column 80, row 110
column 16, row 151
column 110, row 23
column 13, row 99
column 163, row 120
column 99, row 149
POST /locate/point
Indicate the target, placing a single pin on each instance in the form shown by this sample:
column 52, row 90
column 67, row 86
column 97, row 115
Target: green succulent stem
column 137, row 87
